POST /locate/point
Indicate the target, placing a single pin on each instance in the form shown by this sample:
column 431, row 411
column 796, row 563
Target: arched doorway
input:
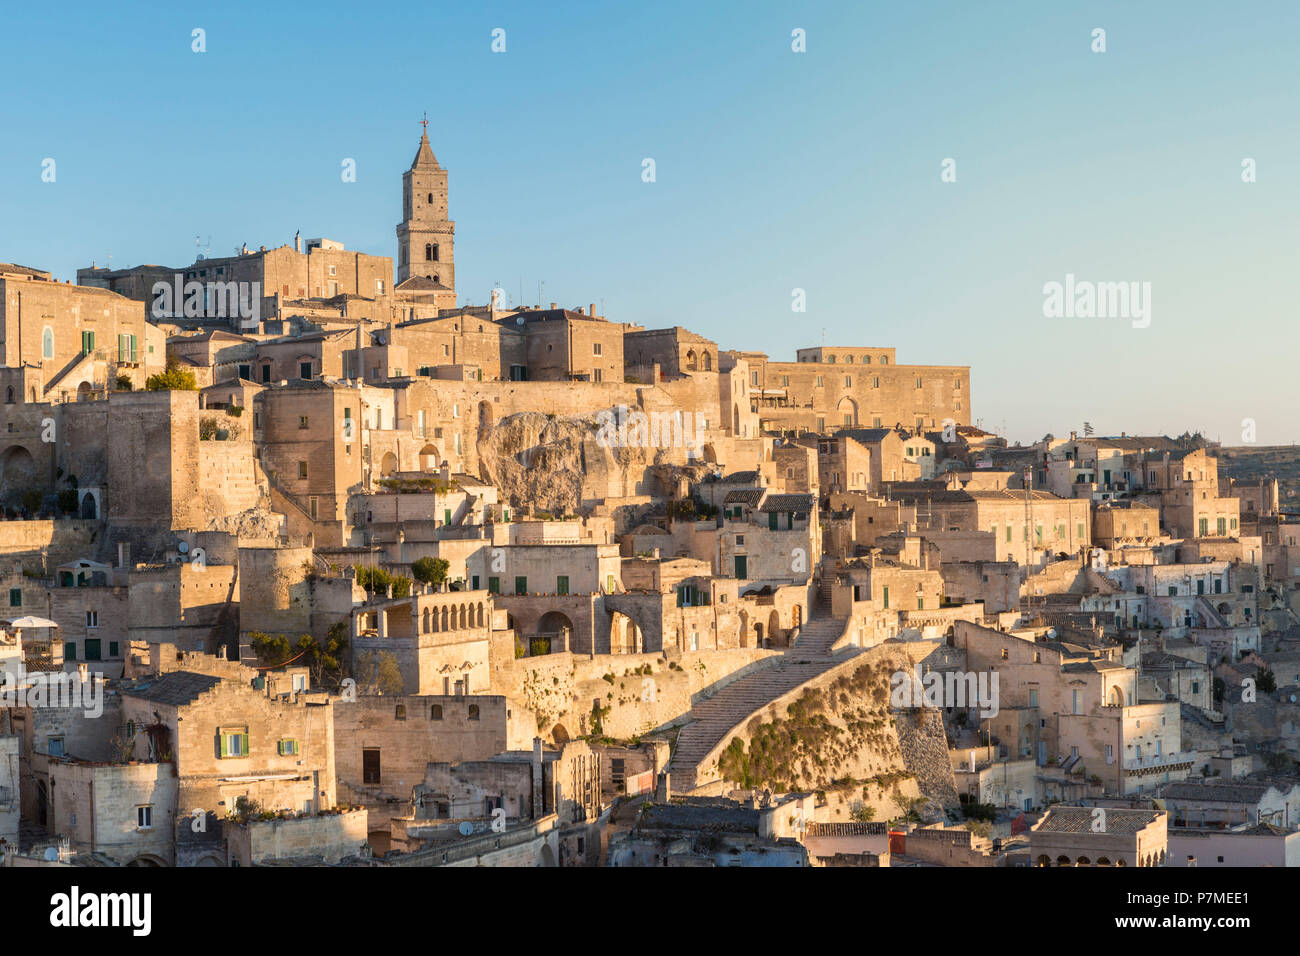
column 429, row 459
column 83, row 392
column 847, row 410
column 554, row 627
column 17, row 468
column 388, row 464
column 89, row 510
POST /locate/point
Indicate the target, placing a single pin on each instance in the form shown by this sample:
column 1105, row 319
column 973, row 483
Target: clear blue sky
column 775, row 171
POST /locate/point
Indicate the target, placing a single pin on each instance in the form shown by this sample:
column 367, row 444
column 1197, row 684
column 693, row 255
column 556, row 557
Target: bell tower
column 425, row 236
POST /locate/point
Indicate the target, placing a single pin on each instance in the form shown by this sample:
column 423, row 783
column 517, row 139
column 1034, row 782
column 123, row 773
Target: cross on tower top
column 425, row 123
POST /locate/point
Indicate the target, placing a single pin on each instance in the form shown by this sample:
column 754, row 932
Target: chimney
column 591, row 310
column 554, row 306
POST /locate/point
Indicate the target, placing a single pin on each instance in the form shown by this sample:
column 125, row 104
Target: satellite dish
column 467, row 829
column 51, row 854
column 183, row 548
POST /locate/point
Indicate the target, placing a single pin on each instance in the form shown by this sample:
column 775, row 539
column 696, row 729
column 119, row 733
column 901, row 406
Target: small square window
column 144, row 817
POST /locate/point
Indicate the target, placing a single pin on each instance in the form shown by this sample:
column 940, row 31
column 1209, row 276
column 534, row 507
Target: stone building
column 1100, row 836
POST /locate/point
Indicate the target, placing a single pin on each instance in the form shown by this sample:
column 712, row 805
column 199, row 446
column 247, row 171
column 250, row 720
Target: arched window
column 430, row 199
column 9, row 395
column 428, row 252
column 435, row 712
column 47, row 343
column 435, row 252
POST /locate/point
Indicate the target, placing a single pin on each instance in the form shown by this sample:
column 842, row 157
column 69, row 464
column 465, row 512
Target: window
column 56, row 748
column 848, row 381
column 494, row 585
column 819, row 381
column 399, row 713
column 266, row 374
column 287, row 748
column 15, row 597
column 144, row 817
column 595, row 348
column 302, row 421
column 435, row 712
column 92, row 619
column 93, row 649
column 302, row 469
column 114, row 649
column 597, row 375
column 562, row 584
column 304, row 369
column 47, row 343
column 233, row 742
column 886, row 597
column 521, row 585
column 299, row 683
column 69, row 650
column 370, row 765
column 473, row 711
column 87, row 342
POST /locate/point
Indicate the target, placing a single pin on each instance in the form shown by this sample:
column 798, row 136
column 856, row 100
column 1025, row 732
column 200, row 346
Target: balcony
column 1160, row 763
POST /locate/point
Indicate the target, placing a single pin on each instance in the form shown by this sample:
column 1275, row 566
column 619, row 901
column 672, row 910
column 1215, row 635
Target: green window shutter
column 771, row 521
column 221, row 743
column 886, row 598
column 521, row 585
column 243, row 745
column 789, row 521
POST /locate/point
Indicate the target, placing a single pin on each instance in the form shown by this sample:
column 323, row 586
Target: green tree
column 174, row 379
column 430, row 570
column 1264, row 680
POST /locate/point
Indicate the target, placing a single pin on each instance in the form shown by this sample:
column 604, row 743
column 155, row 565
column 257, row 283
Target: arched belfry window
column 428, row 252
column 47, row 343
column 435, row 252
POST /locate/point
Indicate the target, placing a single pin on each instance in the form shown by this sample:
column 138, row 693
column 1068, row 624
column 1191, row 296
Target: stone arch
column 430, row 460
column 1116, row 698
column 1223, row 608
column 710, row 454
column 556, row 622
column 444, row 618
column 773, row 624
column 546, row 856
column 1083, row 861
column 847, row 410
column 83, row 395
column 464, row 616
column 89, row 507
column 210, row 860
column 17, row 467
column 481, row 618
column 560, row 734
column 388, row 464
column 692, row 363
column 1044, row 860
column 1103, row 861
column 147, row 859
column 707, row 360
column 426, row 628
column 1062, row 860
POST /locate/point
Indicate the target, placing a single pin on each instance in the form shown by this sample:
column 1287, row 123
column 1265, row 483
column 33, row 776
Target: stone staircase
column 817, row 636
column 713, row 719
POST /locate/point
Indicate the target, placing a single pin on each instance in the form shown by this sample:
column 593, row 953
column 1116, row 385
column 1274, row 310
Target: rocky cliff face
column 555, row 464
